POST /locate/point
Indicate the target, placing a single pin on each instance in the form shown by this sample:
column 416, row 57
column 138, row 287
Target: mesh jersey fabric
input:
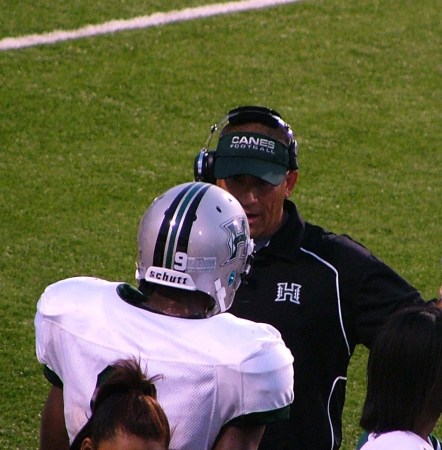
column 213, row 370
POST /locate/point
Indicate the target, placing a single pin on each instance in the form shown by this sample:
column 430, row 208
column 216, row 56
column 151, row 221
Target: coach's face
column 262, row 201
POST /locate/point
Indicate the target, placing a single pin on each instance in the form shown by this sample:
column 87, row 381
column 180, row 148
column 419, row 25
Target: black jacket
column 325, row 293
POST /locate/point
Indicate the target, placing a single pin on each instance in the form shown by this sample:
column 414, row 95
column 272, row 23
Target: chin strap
column 220, row 292
column 249, row 262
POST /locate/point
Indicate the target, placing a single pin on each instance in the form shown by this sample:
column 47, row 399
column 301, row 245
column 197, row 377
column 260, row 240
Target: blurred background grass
column 91, row 130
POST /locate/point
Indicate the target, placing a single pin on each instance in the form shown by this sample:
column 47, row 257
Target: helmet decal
column 175, row 229
column 237, row 238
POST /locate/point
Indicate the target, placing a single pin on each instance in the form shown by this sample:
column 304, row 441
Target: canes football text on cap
column 254, row 154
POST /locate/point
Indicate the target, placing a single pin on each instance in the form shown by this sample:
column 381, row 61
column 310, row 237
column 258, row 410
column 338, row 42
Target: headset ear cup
column 293, row 155
column 203, row 168
column 210, row 168
column 198, row 165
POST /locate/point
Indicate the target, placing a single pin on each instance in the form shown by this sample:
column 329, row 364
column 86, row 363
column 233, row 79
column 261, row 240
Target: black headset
column 204, row 164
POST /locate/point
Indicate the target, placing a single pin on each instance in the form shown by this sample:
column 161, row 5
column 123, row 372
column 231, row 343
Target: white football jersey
column 213, row 370
column 403, row 440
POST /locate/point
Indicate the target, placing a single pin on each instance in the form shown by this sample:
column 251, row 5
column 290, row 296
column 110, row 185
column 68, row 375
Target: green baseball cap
column 254, row 154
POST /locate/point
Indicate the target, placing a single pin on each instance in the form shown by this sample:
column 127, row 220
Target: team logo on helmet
column 237, row 241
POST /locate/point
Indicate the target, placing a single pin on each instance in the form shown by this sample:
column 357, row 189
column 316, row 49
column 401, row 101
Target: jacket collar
column 285, row 243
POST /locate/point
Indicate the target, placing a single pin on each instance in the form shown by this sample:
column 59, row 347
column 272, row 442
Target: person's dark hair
column 125, row 403
column 404, row 373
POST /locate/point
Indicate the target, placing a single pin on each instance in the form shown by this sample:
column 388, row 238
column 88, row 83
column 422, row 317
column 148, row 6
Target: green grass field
column 91, row 130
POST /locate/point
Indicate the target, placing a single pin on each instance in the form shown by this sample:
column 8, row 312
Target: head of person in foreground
column 125, row 413
column 404, row 374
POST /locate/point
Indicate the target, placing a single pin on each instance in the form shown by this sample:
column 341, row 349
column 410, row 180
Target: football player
column 221, row 378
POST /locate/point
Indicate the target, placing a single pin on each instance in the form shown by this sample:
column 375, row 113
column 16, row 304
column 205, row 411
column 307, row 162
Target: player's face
column 124, row 442
column 262, row 201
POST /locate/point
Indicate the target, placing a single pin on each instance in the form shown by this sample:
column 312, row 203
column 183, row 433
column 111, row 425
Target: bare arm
column 233, row 437
column 53, row 434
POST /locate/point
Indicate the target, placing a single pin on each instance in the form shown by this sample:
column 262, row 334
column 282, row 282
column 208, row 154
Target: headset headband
column 260, row 114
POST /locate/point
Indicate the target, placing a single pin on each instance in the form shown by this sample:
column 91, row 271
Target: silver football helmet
column 196, row 236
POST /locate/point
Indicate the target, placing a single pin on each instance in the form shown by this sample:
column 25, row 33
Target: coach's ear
column 290, row 181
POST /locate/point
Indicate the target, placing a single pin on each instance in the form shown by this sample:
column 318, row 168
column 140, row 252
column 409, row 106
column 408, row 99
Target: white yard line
column 138, row 22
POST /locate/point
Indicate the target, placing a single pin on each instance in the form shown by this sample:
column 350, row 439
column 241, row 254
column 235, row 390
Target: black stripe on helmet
column 177, row 224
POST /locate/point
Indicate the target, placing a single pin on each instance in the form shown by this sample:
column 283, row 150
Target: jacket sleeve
column 381, row 291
